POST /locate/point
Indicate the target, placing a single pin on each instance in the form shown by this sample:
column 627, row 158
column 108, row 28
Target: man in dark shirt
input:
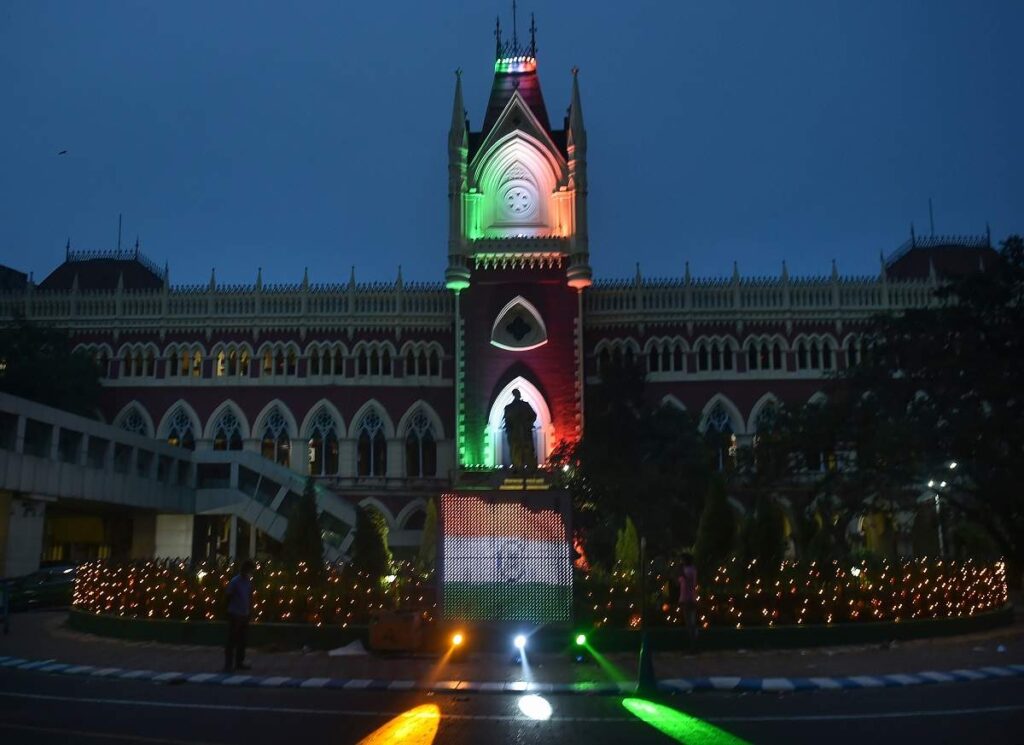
column 239, row 596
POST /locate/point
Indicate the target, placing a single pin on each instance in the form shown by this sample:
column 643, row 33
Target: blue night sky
column 243, row 134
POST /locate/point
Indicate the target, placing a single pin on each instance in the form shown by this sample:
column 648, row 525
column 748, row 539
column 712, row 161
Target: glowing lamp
column 457, row 639
column 519, row 642
column 581, row 639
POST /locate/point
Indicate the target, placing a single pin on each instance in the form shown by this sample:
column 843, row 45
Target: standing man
column 239, row 596
column 519, row 420
column 688, row 596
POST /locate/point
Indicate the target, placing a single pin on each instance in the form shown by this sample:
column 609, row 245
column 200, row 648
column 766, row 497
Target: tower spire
column 533, row 37
column 515, row 25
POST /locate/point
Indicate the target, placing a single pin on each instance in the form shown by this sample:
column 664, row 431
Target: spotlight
column 581, row 639
column 457, row 639
column 519, row 642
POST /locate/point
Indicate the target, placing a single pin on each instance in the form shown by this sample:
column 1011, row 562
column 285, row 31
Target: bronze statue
column 519, row 421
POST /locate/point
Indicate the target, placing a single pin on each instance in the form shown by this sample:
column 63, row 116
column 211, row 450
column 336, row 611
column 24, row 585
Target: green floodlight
column 581, row 639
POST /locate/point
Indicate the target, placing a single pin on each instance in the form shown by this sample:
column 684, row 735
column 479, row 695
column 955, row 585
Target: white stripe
column 826, row 682
column 937, row 677
column 133, row 674
column 401, row 685
column 487, row 559
column 491, row 686
column 235, row 680
column 322, row 711
column 314, row 682
column 274, row 680
column 105, row 671
column 358, row 683
column 970, row 674
column 680, row 684
column 201, row 677
column 777, row 684
column 724, row 683
column 1001, row 672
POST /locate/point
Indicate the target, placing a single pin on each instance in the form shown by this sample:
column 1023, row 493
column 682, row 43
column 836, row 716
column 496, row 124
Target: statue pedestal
column 504, row 479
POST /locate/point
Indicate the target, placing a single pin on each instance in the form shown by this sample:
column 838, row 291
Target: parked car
column 51, row 587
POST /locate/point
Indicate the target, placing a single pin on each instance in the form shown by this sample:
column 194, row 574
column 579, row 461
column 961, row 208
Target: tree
column 302, row 540
column 716, row 532
column 36, row 362
column 370, row 552
column 942, row 385
column 765, row 534
column 627, row 548
column 426, row 560
column 636, row 459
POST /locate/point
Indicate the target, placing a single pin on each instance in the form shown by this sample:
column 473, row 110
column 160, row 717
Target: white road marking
column 505, row 717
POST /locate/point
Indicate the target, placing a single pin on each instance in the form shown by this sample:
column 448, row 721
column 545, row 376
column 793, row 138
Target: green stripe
column 530, row 601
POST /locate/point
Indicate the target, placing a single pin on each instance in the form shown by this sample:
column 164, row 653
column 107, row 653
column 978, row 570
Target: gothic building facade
column 391, row 393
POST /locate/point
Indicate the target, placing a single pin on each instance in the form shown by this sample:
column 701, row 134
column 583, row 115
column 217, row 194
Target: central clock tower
column 518, row 260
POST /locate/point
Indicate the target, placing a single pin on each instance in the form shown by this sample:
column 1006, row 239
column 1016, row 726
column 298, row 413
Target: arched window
column 385, row 362
column 275, row 444
column 222, row 364
column 372, row 446
column 233, row 362
column 179, row 430
column 435, row 364
column 244, row 361
column 852, row 353
column 339, row 362
column 374, row 363
column 197, row 364
column 815, row 356
column 652, row 360
column 362, row 367
column 801, row 356
column 826, row 355
column 132, row 421
column 677, row 358
column 314, row 361
column 727, row 355
column 410, row 364
column 293, row 362
column 716, row 357
column 323, row 444
column 720, row 438
column 268, row 362
column 420, row 447
column 752, row 357
column 227, row 432
column 103, row 363
column 603, row 360
column 777, row 356
column 150, row 364
column 702, row 357
column 172, row 362
column 279, row 363
column 416, row 520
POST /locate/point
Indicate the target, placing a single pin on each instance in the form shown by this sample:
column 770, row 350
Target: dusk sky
column 239, row 135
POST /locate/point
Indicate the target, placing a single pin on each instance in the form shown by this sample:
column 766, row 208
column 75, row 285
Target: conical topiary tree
column 370, row 552
column 302, row 540
column 716, row 531
column 426, row 560
column 627, row 548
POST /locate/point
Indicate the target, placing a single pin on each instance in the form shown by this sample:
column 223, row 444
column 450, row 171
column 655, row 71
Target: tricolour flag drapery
column 505, row 559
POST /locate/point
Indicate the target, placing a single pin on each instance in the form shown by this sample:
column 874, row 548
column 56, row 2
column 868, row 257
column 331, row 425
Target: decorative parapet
column 652, row 300
column 201, row 306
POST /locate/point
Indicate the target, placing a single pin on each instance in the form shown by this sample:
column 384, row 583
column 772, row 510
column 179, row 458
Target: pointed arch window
column 435, row 364
column 653, row 360
column 777, row 356
column 132, row 421
column 323, row 444
column 275, row 444
column 420, row 447
column 179, row 430
column 372, row 446
column 227, row 432
column 339, row 362
column 314, row 361
column 718, row 433
column 677, row 358
column 801, row 356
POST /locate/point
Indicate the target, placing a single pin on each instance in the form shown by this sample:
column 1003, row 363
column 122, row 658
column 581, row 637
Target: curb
column 671, row 685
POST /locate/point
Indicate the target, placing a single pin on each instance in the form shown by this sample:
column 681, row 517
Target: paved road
column 43, row 709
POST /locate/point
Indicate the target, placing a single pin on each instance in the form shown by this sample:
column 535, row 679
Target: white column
column 233, row 537
column 21, row 535
column 174, row 536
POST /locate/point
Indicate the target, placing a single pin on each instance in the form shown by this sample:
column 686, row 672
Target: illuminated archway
column 543, row 430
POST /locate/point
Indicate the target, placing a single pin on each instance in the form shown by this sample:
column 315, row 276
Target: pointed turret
column 213, row 279
column 577, row 134
column 259, row 278
column 458, row 130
